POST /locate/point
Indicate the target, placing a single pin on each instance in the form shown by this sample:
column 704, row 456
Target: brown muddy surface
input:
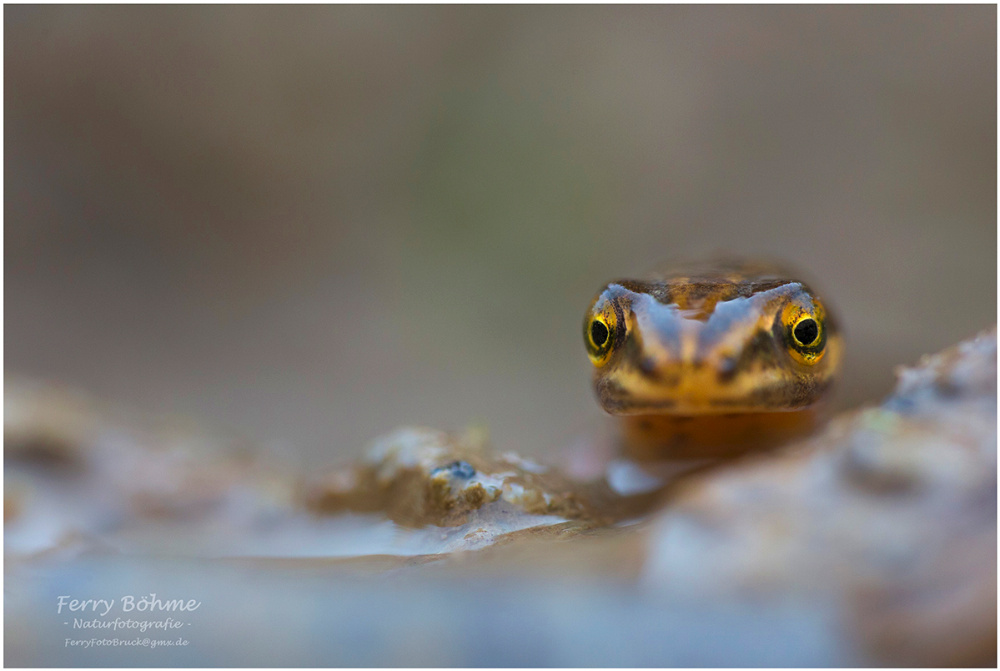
column 873, row 542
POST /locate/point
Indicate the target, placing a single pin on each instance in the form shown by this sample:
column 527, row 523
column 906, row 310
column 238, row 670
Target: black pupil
column 598, row 333
column 806, row 331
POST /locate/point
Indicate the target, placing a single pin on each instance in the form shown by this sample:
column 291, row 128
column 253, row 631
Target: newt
column 712, row 359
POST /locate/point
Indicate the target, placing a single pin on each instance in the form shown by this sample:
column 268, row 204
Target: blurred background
column 313, row 224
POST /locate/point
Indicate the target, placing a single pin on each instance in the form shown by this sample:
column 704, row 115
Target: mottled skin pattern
column 733, row 342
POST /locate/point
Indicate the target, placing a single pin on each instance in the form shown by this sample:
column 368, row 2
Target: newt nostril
column 727, row 369
column 647, row 365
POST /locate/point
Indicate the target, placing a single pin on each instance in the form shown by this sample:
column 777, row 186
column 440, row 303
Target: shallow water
column 290, row 614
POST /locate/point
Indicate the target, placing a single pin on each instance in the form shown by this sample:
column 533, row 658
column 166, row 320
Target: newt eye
column 805, row 333
column 599, row 331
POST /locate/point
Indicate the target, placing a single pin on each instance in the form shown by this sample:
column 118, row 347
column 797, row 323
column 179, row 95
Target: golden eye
column 599, row 333
column 805, row 333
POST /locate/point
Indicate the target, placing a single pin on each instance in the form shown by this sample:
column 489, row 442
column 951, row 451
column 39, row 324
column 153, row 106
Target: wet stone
column 874, row 465
column 456, row 469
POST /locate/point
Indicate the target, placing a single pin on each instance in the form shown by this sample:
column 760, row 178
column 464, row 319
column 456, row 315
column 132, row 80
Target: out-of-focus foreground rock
column 872, row 543
column 889, row 516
